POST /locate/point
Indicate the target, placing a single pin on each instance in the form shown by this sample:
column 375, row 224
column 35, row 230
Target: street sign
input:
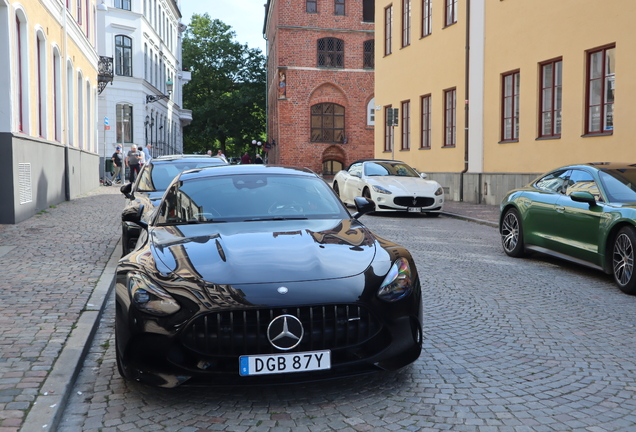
column 106, row 127
column 106, row 121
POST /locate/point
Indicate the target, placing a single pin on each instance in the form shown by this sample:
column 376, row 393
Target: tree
column 227, row 90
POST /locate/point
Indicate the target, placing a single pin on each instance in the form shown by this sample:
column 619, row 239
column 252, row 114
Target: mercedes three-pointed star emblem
column 285, row 332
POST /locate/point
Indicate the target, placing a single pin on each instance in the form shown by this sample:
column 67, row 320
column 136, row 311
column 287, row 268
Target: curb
column 479, row 221
column 48, row 407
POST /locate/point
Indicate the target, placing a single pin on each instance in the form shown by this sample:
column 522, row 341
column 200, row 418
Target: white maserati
column 392, row 185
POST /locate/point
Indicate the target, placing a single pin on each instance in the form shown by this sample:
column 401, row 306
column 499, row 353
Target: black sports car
column 150, row 185
column 248, row 272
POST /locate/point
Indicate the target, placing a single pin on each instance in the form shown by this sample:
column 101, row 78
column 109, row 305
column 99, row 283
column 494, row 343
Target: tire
column 124, row 242
column 623, row 260
column 120, row 366
column 336, row 189
column 512, row 234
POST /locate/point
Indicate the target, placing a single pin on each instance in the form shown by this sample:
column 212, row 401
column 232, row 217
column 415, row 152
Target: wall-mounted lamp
column 155, row 98
column 102, row 7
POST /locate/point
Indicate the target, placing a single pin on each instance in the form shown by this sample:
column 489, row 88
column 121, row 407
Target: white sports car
column 392, row 185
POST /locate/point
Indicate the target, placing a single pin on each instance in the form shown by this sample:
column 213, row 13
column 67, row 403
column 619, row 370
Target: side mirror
column 583, row 196
column 363, row 206
column 125, row 189
column 133, row 214
column 423, row 175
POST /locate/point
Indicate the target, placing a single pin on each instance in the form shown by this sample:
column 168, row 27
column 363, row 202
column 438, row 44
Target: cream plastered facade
column 505, row 36
column 61, row 33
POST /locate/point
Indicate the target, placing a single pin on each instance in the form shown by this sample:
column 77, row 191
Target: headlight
column 380, row 189
column 149, row 297
column 397, row 284
column 439, row 191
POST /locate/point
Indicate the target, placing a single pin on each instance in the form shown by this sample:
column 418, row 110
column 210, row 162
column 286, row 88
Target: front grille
column 406, row 201
column 245, row 332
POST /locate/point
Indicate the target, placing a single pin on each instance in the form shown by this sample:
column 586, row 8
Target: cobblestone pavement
column 50, row 265
column 511, row 345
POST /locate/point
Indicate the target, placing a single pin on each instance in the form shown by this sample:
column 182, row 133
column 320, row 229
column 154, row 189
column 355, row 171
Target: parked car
column 151, row 183
column 582, row 213
column 246, row 273
column 392, row 185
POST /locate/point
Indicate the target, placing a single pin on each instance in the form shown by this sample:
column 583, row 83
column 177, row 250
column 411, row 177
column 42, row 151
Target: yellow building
column 48, row 134
column 492, row 93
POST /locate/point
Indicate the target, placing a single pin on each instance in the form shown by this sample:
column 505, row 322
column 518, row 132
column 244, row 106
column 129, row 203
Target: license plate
column 284, row 363
column 414, row 209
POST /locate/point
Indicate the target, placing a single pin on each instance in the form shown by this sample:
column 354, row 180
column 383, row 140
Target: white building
column 143, row 104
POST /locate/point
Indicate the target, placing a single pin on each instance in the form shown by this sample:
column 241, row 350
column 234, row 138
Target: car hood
column 264, row 251
column 412, row 185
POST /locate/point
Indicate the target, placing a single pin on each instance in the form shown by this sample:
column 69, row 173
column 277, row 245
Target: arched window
column 80, row 111
column 331, row 167
column 124, row 123
column 41, row 84
column 57, row 100
column 327, row 123
column 331, row 52
column 123, row 55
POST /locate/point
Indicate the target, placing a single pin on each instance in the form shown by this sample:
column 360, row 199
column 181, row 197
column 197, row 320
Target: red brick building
column 320, row 59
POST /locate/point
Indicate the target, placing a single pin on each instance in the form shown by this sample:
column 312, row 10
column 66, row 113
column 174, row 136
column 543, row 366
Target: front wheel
column 367, row 194
column 623, row 260
column 512, row 234
column 336, row 189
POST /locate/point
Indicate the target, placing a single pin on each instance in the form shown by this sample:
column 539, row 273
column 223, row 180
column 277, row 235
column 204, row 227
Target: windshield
column 389, row 169
column 247, row 198
column 158, row 175
column 620, row 184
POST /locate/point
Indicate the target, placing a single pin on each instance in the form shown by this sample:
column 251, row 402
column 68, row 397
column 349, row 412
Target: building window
column 146, row 62
column 369, row 54
column 41, row 67
column 327, row 123
column 331, row 167
column 368, row 10
column 21, row 81
column 450, row 117
column 600, row 90
column 79, row 12
column 123, row 55
column 311, row 6
column 331, row 52
column 426, row 17
column 425, row 139
column 550, row 99
column 122, row 4
column 406, row 125
column 388, row 129
column 371, row 112
column 339, row 7
column 124, row 123
column 510, row 104
column 388, row 27
column 450, row 13
column 406, row 22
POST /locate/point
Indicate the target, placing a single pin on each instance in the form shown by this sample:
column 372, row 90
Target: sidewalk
column 481, row 213
column 58, row 269
column 51, row 266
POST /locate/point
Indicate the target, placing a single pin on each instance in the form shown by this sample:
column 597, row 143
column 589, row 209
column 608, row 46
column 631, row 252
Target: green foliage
column 227, row 91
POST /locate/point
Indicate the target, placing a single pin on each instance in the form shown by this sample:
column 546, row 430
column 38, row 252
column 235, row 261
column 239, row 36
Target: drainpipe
column 65, row 110
column 466, row 100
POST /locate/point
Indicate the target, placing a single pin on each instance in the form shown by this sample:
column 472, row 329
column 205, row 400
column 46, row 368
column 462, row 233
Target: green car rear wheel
column 623, row 260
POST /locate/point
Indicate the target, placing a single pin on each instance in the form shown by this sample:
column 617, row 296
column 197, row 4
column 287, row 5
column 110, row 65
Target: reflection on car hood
column 405, row 184
column 264, row 251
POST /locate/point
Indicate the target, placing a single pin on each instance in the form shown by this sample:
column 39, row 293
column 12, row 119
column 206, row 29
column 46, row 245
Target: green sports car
column 583, row 213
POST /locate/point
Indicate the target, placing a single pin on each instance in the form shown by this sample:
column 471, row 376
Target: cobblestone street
column 510, row 345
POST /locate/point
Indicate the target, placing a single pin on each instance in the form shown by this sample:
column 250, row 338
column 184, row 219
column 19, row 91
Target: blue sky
column 244, row 16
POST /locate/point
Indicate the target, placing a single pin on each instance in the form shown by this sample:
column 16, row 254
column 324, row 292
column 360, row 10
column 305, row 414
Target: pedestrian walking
column 118, row 161
column 221, row 155
column 147, row 155
column 133, row 159
column 245, row 159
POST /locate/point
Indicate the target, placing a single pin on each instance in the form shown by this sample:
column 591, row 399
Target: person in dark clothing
column 245, row 159
column 132, row 162
column 118, row 161
column 258, row 159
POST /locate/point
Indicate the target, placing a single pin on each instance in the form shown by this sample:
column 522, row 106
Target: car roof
column 246, row 169
column 189, row 157
column 598, row 166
